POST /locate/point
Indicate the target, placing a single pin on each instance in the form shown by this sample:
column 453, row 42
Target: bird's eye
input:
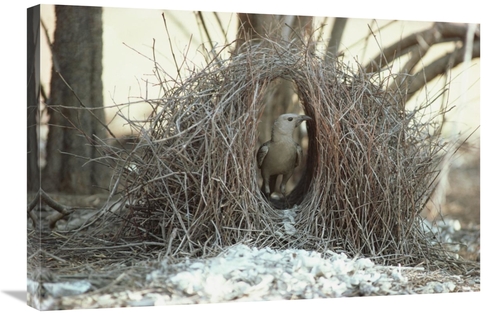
column 290, row 119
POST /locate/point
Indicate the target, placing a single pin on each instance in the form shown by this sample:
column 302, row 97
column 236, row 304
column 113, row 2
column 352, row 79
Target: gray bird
column 281, row 154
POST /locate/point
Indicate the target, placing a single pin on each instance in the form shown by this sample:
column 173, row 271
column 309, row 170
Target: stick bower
column 191, row 181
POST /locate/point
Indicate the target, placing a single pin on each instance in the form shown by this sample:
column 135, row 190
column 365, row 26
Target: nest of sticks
column 191, row 181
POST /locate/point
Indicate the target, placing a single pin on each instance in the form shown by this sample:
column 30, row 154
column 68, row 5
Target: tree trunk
column 74, row 115
column 33, row 86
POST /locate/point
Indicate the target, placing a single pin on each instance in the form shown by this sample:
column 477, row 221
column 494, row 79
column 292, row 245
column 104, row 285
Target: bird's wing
column 261, row 154
column 298, row 156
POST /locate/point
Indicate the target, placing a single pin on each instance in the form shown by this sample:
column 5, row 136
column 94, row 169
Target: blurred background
column 128, row 36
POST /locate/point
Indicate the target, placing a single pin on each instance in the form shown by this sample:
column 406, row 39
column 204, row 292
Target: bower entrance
column 280, row 97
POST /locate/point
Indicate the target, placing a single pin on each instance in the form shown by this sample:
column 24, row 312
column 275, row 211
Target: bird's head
column 286, row 123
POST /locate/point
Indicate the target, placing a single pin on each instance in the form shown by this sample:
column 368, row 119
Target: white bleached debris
column 244, row 273
column 67, row 288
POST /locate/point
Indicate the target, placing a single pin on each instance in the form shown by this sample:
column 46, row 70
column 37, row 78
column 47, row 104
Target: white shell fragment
column 244, row 273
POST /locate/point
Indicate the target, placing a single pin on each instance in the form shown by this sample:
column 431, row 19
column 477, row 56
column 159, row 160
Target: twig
column 42, row 196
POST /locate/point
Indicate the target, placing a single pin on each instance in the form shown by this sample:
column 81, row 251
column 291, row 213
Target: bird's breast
column 280, row 158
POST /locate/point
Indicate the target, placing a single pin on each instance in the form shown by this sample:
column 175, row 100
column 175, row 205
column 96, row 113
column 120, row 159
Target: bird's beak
column 301, row 118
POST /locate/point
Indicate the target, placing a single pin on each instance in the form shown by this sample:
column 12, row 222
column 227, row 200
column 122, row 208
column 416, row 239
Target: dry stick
column 90, row 111
column 224, row 32
column 63, row 210
column 54, row 256
column 199, row 14
column 179, row 76
column 156, row 67
column 33, row 203
column 43, row 196
column 113, row 246
column 169, row 247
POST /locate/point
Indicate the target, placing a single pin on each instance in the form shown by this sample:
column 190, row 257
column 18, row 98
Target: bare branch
column 439, row 66
column 42, row 196
column 438, row 33
column 223, row 31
